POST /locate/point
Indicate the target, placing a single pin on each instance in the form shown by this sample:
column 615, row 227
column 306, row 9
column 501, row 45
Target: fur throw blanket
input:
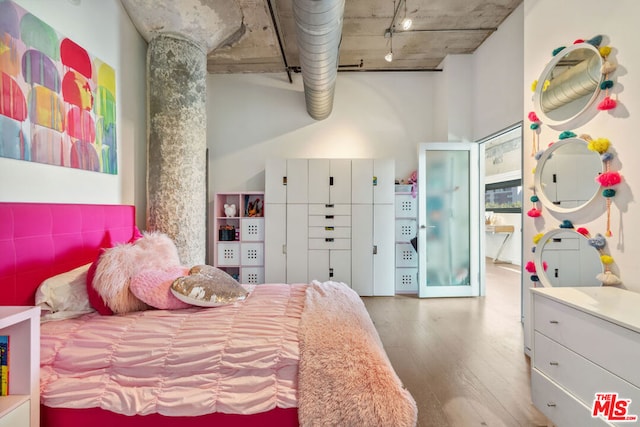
column 117, row 265
column 345, row 377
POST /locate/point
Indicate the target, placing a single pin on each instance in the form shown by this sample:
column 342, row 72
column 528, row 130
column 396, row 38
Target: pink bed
column 322, row 351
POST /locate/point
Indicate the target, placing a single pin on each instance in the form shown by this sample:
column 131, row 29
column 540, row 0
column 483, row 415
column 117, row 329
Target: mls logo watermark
column 612, row 408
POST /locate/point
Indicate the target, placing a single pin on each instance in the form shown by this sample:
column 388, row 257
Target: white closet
column 330, row 219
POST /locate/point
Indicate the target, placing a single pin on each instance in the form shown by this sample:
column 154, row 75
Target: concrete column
column 177, row 143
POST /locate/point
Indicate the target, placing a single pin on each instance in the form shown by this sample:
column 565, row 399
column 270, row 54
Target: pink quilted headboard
column 39, row 240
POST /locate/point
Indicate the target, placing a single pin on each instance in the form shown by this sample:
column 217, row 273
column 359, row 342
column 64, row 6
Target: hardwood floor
column 462, row 359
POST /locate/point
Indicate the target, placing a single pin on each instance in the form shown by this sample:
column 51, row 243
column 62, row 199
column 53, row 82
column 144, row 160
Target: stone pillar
column 177, row 143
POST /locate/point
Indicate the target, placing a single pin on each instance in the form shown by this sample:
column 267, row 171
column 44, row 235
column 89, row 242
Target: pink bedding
column 241, row 358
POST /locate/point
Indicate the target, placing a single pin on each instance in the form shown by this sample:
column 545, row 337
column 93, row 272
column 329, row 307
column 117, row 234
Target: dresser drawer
column 337, row 209
column 330, row 232
column 611, row 346
column 559, row 406
column 329, row 243
column 578, row 375
column 330, row 220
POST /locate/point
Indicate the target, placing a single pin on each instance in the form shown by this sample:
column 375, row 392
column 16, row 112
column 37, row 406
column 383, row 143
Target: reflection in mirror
column 570, row 260
column 565, row 178
column 569, row 84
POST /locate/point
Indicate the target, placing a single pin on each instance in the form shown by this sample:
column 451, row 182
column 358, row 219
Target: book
column 4, row 365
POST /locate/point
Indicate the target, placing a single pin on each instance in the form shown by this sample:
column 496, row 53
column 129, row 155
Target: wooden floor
column 462, row 359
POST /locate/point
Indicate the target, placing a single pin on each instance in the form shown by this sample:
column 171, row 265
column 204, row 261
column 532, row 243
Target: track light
column 406, row 22
column 389, row 56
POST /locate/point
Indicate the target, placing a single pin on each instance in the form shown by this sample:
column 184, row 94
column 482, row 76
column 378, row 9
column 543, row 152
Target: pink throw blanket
column 346, row 378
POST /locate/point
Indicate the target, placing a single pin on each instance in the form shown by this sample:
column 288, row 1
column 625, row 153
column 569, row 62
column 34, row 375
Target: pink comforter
column 241, row 358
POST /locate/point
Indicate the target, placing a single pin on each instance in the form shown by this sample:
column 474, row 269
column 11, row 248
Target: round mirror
column 569, row 84
column 565, row 178
column 570, row 260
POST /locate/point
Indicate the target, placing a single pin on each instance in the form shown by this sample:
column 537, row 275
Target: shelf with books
column 21, row 327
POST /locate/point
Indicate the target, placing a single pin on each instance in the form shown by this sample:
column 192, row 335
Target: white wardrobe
column 330, row 219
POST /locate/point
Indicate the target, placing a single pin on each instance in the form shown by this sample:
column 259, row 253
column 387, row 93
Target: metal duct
column 319, row 30
column 580, row 80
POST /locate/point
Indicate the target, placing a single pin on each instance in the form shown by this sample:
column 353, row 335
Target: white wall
column 498, row 78
column 497, row 104
column 549, row 24
column 252, row 117
column 103, row 29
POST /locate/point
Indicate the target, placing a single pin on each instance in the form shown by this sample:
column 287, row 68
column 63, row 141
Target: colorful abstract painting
column 57, row 101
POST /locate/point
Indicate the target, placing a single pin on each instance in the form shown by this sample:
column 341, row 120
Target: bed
column 318, row 359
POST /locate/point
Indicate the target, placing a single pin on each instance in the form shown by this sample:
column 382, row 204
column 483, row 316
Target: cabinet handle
column 330, row 180
column 284, row 180
column 375, row 249
column 331, row 272
column 551, row 404
column 284, row 249
column 329, row 239
column 328, row 205
column 328, row 217
column 555, row 322
column 553, row 363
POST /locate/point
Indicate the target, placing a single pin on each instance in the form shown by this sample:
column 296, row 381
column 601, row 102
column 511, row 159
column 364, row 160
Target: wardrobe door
column 362, row 249
column 275, row 241
column 297, row 241
column 296, row 182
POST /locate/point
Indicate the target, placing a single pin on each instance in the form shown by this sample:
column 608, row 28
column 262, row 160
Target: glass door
column 449, row 220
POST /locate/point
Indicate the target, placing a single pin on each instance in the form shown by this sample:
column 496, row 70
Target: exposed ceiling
column 440, row 27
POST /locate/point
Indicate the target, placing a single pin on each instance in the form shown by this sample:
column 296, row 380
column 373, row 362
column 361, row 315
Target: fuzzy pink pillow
column 117, row 265
column 153, row 287
column 96, row 301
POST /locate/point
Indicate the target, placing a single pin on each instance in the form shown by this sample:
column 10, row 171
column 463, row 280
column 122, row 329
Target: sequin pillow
column 208, row 286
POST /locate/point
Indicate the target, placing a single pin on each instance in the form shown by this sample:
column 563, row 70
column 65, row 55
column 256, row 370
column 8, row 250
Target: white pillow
column 65, row 295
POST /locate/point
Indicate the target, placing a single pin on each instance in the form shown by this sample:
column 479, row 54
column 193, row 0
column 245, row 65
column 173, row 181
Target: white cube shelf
column 406, row 206
column 228, row 254
column 407, row 280
column 406, row 229
column 252, row 229
column 406, row 256
column 252, row 275
column 252, row 254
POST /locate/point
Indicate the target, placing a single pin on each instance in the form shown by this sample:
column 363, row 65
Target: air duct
column 319, row 30
column 580, row 80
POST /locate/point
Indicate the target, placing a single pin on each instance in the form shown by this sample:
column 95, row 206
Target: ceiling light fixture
column 388, row 33
column 406, row 22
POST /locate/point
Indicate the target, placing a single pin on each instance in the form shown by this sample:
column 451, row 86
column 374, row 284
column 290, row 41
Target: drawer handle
column 328, row 205
column 328, row 217
column 328, row 228
column 555, row 322
column 553, row 363
column 551, row 405
column 328, row 239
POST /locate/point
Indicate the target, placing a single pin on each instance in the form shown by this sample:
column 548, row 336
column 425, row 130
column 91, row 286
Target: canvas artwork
column 57, row 101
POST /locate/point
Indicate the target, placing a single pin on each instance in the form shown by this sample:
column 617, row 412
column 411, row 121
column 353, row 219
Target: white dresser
column 585, row 341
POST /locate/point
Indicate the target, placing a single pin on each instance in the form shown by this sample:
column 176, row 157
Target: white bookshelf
column 22, row 407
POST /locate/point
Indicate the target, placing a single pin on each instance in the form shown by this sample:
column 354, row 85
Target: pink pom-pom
column 530, row 267
column 534, row 212
column 607, row 104
column 583, row 231
column 609, row 179
column 533, row 117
